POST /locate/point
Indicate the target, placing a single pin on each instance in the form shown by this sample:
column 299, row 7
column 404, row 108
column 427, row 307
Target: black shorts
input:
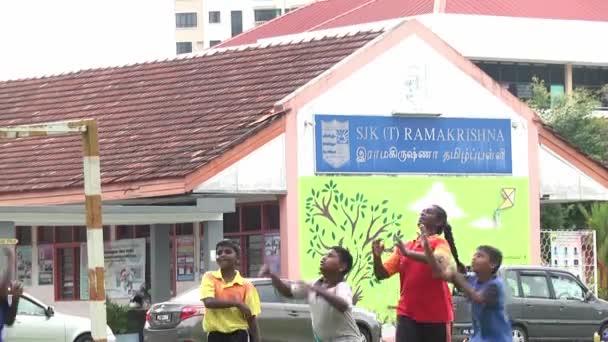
column 409, row 330
column 236, row 336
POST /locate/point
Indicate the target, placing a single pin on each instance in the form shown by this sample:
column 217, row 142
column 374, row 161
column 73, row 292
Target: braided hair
column 446, row 229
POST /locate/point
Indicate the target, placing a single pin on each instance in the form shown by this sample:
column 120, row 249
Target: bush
column 117, row 317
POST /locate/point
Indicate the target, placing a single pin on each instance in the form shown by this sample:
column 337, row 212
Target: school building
column 288, row 145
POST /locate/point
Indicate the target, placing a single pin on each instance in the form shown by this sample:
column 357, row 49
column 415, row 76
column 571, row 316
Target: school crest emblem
column 335, row 141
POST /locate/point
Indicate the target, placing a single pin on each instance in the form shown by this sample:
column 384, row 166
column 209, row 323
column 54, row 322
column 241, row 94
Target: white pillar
column 568, row 78
column 213, row 232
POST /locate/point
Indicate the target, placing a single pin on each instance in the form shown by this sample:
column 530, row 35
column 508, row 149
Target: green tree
column 351, row 221
column 552, row 216
column 572, row 117
column 597, row 219
column 556, row 216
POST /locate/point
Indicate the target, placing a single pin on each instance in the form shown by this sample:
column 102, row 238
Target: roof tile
column 161, row 119
column 326, row 14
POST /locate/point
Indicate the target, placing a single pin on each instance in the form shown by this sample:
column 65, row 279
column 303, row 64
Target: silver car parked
column 544, row 304
column 282, row 319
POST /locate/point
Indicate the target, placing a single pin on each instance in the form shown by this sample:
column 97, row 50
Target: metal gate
column 572, row 250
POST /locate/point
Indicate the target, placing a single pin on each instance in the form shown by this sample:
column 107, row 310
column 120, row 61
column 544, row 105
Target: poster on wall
column 45, row 265
column 395, row 144
column 354, row 211
column 24, row 264
column 566, row 250
column 185, row 258
column 272, row 253
column 125, row 263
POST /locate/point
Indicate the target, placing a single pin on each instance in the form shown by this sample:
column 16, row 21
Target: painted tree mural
column 350, row 220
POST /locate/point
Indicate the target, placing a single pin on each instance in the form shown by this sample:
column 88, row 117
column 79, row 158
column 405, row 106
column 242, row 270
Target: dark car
column 282, row 319
column 543, row 303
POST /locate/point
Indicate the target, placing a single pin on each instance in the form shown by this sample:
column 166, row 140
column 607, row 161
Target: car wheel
column 603, row 330
column 365, row 332
column 84, row 338
column 519, row 334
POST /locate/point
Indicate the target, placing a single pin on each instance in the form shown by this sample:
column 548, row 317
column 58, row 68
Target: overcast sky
column 42, row 37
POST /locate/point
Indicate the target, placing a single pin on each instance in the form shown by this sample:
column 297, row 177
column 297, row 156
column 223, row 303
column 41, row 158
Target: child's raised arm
column 439, row 266
column 283, row 288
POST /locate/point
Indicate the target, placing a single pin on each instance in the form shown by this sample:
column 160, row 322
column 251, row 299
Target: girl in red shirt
column 424, row 312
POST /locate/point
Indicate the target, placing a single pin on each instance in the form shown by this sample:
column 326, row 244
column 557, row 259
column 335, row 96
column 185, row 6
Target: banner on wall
column 45, row 265
column 566, row 251
column 24, row 264
column 392, row 144
column 125, row 263
column 185, row 258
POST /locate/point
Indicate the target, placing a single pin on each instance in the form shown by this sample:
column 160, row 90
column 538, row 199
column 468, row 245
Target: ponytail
column 446, row 229
column 449, row 237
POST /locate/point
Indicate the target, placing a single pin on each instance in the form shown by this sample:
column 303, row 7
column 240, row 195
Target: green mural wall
column 352, row 211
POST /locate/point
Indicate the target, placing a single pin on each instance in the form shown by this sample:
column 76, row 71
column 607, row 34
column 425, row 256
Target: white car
column 37, row 322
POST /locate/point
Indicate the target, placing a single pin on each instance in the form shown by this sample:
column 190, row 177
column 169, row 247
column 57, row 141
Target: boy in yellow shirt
column 231, row 302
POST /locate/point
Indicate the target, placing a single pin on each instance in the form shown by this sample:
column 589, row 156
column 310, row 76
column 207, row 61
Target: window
column 68, row 273
column 64, row 234
column 215, row 17
column 252, row 217
column 534, row 285
column 184, row 229
column 231, row 222
column 512, row 284
column 29, row 308
column 272, row 217
column 67, row 242
column 24, row 235
column 213, row 43
column 184, row 20
column 268, row 294
column 255, row 253
column 263, row 15
column 566, row 287
column 236, row 20
column 45, row 235
column 183, row 47
column 255, row 228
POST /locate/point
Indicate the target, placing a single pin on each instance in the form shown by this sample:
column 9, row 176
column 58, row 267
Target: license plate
column 467, row 332
column 162, row 317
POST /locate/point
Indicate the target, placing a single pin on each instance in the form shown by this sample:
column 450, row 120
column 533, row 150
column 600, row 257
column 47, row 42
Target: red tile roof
column 157, row 120
column 324, row 14
column 300, row 20
column 379, row 10
column 590, row 10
